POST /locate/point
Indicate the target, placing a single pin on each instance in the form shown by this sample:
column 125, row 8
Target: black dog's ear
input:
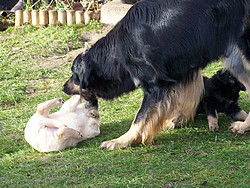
column 82, row 70
column 225, row 77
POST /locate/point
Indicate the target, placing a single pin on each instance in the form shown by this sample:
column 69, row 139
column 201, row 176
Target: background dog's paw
column 237, row 127
column 213, row 127
column 212, row 123
column 112, row 145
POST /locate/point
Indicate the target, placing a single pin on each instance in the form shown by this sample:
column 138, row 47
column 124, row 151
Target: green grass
column 188, row 157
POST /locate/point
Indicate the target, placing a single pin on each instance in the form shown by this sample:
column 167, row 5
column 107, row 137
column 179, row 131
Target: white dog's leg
column 66, row 132
column 71, row 104
column 53, row 123
column 44, row 108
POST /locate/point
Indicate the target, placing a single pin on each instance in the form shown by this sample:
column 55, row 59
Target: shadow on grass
column 108, row 131
column 193, row 132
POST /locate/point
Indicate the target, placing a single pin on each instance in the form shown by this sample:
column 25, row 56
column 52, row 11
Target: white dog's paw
column 60, row 101
column 237, row 127
column 57, row 102
column 79, row 135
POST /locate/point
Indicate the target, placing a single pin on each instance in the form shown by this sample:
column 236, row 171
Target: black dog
column 221, row 95
column 160, row 46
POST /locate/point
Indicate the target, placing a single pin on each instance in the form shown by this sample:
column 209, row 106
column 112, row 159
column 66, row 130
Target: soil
column 90, row 37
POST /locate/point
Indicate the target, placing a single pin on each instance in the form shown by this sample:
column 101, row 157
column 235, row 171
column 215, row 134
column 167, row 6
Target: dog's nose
column 65, row 90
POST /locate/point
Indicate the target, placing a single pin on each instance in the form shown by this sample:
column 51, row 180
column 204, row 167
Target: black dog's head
column 229, row 81
column 78, row 82
column 81, row 70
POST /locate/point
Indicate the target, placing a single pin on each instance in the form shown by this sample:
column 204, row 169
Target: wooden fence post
column 27, row 16
column 79, row 17
column 18, row 18
column 53, row 17
column 35, row 17
column 71, row 18
column 62, row 18
column 43, row 17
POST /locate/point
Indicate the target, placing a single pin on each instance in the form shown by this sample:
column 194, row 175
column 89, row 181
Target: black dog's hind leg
column 156, row 107
column 239, row 65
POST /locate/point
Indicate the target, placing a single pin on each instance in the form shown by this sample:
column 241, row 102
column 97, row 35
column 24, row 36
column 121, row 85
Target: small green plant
column 93, row 25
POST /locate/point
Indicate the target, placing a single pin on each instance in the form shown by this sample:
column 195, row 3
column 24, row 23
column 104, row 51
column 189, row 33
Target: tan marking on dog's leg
column 241, row 127
column 192, row 94
column 213, row 123
column 44, row 108
column 144, row 130
column 187, row 98
column 241, row 116
column 160, row 114
column 125, row 140
column 170, row 124
column 66, row 132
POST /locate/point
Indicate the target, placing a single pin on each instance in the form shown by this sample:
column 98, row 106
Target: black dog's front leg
column 155, row 107
column 211, row 113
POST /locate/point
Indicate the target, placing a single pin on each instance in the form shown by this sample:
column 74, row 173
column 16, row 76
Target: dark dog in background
column 161, row 46
column 221, row 95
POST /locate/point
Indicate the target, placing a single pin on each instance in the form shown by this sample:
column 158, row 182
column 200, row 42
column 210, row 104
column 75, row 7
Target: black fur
column 129, row 1
column 221, row 95
column 159, row 44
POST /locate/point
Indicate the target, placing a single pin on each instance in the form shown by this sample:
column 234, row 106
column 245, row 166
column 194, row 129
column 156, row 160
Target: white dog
column 70, row 125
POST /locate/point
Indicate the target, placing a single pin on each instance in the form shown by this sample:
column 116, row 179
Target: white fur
column 70, row 125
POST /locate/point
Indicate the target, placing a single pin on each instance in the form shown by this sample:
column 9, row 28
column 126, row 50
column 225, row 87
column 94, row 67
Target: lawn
column 33, row 67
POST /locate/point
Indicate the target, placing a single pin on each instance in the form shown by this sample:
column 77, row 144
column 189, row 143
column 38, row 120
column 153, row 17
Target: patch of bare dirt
column 90, row 36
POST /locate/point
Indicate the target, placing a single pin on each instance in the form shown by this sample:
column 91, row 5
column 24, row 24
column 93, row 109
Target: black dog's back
column 150, row 41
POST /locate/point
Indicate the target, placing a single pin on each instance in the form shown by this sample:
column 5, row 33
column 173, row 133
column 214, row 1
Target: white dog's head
column 92, row 122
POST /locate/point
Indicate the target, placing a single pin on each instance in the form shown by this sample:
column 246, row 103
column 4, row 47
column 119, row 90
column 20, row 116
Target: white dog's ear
column 93, row 114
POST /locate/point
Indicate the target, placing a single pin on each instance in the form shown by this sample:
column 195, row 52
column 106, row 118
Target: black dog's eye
column 76, row 79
